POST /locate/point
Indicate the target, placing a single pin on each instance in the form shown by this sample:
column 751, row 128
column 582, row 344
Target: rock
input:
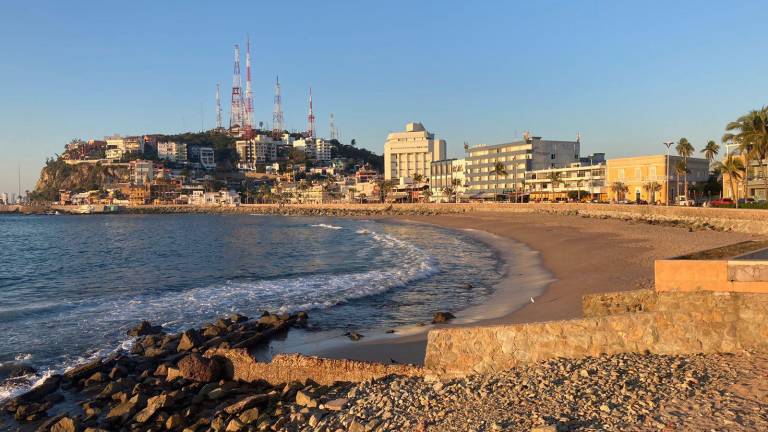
column 50, row 385
column 153, row 404
column 441, row 317
column 18, row 371
column 249, row 416
column 247, row 402
column 65, row 424
column 547, row 428
column 84, row 370
column 237, row 318
column 305, row 399
column 95, row 378
column 467, row 286
column 355, row 336
column 145, row 328
column 195, row 367
column 174, row 421
column 126, row 409
column 336, row 404
column 234, row 425
column 189, row 339
column 269, row 319
column 172, row 373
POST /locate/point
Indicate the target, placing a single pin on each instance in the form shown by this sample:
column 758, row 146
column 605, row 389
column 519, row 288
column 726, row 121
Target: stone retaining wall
column 682, row 323
column 612, row 303
column 241, row 366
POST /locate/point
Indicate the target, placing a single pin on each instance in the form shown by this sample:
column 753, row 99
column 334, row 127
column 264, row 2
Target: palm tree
column 652, row 187
column 684, row 150
column 710, row 151
column 555, row 178
column 619, row 189
column 681, row 169
column 499, row 169
column 732, row 166
column 418, row 178
column 750, row 133
column 455, row 183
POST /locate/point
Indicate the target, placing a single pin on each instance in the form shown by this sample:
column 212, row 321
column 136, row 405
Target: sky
column 625, row 75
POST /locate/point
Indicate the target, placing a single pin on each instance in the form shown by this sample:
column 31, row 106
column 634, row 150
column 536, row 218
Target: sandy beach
column 583, row 256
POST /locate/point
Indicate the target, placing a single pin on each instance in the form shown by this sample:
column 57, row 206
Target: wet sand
column 583, row 256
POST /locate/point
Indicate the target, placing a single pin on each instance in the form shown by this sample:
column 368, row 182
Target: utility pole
column 669, row 145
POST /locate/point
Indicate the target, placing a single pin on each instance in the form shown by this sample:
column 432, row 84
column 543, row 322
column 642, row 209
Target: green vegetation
column 57, row 175
column 351, row 152
column 750, row 133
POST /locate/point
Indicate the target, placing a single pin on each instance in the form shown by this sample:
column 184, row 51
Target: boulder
column 65, row 424
column 237, row 318
column 145, row 328
column 174, row 421
column 247, row 402
column 304, row 399
column 126, row 409
column 189, row 339
column 441, row 317
column 50, row 385
column 249, row 416
column 84, row 370
column 153, row 404
column 336, row 404
column 355, row 336
column 195, row 367
column 269, row 319
column 17, row 371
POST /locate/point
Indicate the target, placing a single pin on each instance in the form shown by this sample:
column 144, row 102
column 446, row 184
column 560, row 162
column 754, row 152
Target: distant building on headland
column 411, row 152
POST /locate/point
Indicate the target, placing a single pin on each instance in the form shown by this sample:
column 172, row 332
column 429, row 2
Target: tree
column 684, row 150
column 652, row 187
column 353, row 143
column 732, row 166
column 427, row 194
column 619, row 189
column 681, row 169
column 555, row 178
column 455, row 183
column 710, row 151
column 750, row 133
column 418, row 178
column 499, row 169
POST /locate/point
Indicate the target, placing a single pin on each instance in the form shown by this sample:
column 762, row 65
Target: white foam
column 326, row 226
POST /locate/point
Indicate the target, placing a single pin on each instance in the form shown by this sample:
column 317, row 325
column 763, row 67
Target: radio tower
column 277, row 115
column 248, row 97
column 334, row 134
column 218, row 106
column 236, row 109
column 310, row 118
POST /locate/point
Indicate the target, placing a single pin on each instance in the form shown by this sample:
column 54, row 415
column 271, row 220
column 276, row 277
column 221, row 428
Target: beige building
column 411, row 152
column 314, row 148
column 639, row 173
column 119, row 146
column 172, row 151
column 257, row 150
column 583, row 181
column 516, row 158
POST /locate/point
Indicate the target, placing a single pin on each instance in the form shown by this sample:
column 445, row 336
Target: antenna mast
column 334, row 134
column 236, row 108
column 218, row 106
column 248, row 95
column 310, row 118
column 277, row 115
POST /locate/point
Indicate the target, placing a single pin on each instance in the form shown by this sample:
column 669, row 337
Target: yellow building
column 638, row 174
column 411, row 152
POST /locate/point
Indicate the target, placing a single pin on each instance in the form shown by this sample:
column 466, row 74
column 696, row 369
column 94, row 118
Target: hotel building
column 517, row 158
column 411, row 152
column 443, row 174
column 576, row 181
column 639, row 173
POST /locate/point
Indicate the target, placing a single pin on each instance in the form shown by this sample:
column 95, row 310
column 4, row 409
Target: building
column 258, row 150
column 119, row 146
column 411, row 152
column 202, row 156
column 755, row 180
column 447, row 173
column 575, row 182
column 172, row 151
column 142, row 171
column 639, row 175
column 314, row 148
column 516, row 158
column 222, row 197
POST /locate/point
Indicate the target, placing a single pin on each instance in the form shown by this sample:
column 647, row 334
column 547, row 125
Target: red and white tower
column 248, row 120
column 310, row 118
column 236, row 113
column 278, row 125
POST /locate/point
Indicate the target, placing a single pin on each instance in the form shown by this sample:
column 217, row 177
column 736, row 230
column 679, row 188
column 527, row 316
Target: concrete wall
column 681, row 323
column 241, row 366
column 711, row 275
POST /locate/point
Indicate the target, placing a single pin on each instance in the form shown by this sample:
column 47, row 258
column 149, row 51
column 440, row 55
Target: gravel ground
column 621, row 392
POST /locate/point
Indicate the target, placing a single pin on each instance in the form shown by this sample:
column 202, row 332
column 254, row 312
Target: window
column 652, row 171
column 621, row 173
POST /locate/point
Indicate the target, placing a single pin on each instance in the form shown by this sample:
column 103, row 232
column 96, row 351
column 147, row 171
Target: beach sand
column 581, row 255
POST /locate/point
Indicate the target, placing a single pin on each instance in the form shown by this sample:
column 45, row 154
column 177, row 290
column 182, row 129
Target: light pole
column 669, row 145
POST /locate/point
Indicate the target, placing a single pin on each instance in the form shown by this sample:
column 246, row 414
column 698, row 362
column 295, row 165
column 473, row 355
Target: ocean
column 71, row 286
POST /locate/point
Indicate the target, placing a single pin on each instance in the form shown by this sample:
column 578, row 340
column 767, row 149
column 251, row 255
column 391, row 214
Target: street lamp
column 669, row 145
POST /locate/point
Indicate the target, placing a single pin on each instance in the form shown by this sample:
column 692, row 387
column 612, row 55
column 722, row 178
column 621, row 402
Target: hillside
column 57, row 175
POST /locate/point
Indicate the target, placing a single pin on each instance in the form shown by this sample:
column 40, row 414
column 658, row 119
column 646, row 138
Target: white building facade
column 257, row 150
column 172, row 151
column 411, row 152
column 447, row 174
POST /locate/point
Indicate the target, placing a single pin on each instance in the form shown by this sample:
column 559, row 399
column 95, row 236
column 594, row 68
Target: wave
column 108, row 320
column 326, row 226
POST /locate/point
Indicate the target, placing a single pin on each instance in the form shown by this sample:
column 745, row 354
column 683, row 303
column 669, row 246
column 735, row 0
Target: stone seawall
column 740, row 220
column 241, row 366
column 682, row 323
column 612, row 303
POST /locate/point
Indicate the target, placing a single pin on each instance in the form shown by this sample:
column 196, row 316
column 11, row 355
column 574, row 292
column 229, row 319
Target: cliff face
column 57, row 175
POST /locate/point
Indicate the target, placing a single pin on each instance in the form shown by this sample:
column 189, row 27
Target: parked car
column 684, row 201
column 746, row 200
column 722, row 202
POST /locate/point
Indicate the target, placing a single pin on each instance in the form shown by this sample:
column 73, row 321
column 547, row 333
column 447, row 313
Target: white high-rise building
column 411, row 152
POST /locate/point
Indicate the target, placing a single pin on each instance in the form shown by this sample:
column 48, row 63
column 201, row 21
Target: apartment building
column 119, row 146
column 314, row 148
column 172, row 151
column 639, row 174
column 258, row 150
column 447, row 173
column 142, row 171
column 411, row 152
column 575, row 181
column 515, row 159
column 203, row 156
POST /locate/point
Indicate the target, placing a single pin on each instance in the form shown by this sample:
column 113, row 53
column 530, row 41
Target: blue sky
column 626, row 75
